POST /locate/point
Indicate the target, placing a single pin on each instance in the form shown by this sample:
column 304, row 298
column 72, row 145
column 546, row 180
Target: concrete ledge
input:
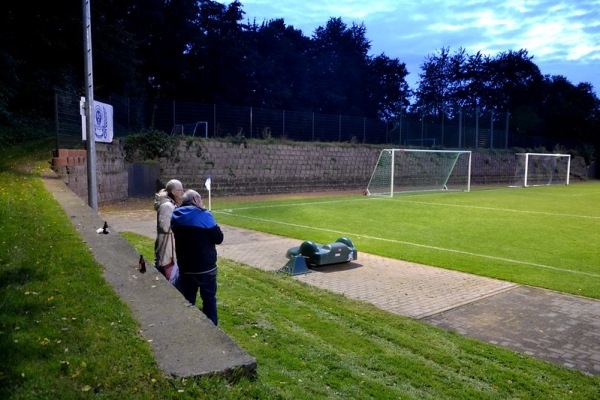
column 184, row 341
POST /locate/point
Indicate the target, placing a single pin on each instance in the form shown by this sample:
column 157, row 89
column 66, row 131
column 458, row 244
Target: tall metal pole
column 89, row 107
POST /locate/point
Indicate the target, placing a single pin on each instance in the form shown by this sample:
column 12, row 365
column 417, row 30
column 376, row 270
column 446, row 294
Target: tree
column 115, row 47
column 338, row 68
column 218, row 56
column 433, row 92
column 163, row 31
column 512, row 79
column 448, row 84
column 42, row 50
column 279, row 74
column 38, row 39
column 570, row 111
column 387, row 86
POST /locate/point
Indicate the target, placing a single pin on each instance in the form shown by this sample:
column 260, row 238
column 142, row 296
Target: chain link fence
column 468, row 130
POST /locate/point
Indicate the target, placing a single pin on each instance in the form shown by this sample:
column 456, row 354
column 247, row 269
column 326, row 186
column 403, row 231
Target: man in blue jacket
column 196, row 234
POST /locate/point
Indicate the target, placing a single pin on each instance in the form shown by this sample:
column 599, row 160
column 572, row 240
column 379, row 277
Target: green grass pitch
column 540, row 236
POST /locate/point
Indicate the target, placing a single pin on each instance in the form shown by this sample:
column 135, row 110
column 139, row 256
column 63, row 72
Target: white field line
column 293, row 204
column 413, row 244
column 585, row 194
column 417, row 202
column 507, row 210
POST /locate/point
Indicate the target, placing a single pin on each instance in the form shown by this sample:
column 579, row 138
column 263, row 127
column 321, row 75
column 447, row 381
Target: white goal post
column 415, row 170
column 190, row 129
column 542, row 169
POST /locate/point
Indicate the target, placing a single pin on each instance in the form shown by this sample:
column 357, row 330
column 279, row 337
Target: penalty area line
column 508, row 260
column 307, row 203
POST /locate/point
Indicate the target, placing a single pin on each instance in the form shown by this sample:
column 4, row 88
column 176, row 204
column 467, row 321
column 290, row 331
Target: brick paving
column 555, row 327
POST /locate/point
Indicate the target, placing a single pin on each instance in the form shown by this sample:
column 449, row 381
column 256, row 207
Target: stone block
column 59, row 162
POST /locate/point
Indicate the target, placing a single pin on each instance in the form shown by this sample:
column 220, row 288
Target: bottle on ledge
column 142, row 267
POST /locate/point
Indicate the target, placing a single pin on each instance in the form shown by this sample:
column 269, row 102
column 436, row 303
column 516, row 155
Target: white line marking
column 507, row 210
column 294, row 204
column 419, row 245
column 419, row 202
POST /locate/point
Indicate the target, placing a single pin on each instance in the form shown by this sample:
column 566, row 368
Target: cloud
column 563, row 36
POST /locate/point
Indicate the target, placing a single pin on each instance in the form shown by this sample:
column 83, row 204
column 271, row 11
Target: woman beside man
column 165, row 201
column 186, row 228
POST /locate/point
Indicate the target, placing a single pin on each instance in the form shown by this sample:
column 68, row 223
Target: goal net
column 199, row 128
column 542, row 169
column 412, row 170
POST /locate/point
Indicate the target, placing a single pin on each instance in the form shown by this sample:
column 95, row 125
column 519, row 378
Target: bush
column 20, row 131
column 149, row 145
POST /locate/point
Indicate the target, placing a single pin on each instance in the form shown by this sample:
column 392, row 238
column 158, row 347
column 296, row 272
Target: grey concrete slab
column 184, row 341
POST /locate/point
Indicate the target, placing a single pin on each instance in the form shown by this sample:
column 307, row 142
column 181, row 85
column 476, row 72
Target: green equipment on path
column 310, row 254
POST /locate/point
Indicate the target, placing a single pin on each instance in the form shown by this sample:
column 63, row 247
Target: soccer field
column 541, row 236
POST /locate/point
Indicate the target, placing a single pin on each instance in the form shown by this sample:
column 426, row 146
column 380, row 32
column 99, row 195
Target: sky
column 563, row 36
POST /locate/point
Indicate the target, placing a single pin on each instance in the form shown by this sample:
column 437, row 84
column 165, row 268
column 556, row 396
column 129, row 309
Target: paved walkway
column 558, row 328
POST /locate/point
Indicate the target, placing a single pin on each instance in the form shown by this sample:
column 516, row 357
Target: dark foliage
column 510, row 81
column 150, row 145
column 204, row 51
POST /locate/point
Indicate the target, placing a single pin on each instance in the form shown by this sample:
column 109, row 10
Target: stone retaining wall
column 252, row 169
column 111, row 171
column 263, row 169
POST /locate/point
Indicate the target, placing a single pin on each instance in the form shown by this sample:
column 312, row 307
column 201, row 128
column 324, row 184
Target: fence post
column 492, row 129
column 128, row 115
column 443, row 121
column 250, row 122
column 422, row 127
column 477, row 127
column 174, row 117
column 400, row 130
column 57, row 126
column 460, row 128
column 506, row 131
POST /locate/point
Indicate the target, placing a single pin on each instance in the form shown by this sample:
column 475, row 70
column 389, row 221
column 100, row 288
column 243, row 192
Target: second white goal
column 542, row 169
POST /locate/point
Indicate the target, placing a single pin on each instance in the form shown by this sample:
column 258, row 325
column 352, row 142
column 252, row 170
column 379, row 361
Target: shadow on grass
column 19, row 308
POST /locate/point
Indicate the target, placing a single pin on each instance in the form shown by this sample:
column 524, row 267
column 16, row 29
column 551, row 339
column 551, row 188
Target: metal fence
column 218, row 121
column 468, row 130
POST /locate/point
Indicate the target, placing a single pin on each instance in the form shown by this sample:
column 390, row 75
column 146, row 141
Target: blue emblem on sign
column 101, row 125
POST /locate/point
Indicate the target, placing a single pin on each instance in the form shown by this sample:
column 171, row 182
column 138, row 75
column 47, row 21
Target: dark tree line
column 544, row 105
column 204, row 51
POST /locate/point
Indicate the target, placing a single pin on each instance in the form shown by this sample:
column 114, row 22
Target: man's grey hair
column 173, row 185
column 189, row 196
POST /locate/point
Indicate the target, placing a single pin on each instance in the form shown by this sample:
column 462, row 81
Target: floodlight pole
column 89, row 107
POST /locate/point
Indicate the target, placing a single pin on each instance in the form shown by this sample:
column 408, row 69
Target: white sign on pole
column 103, row 124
